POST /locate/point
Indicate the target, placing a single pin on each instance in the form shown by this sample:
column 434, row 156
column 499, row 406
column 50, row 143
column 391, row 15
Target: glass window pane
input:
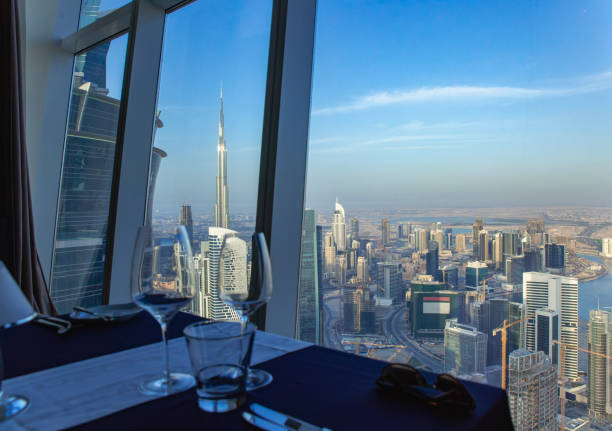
column 205, row 162
column 92, row 10
column 458, row 169
column 87, row 173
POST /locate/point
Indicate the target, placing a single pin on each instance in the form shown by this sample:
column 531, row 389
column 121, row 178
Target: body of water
column 590, row 291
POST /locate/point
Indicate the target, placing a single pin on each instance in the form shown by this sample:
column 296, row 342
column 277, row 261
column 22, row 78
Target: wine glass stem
column 244, row 319
column 166, row 374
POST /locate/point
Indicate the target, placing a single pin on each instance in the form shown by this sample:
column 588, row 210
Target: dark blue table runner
column 323, row 386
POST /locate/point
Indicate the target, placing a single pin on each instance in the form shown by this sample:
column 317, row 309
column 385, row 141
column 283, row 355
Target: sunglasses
column 447, row 391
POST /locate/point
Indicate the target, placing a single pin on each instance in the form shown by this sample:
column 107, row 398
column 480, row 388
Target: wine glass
column 246, row 297
column 163, row 283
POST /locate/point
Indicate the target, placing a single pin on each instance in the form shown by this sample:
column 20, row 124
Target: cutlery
column 286, row 422
column 105, row 317
column 262, row 423
column 62, row 325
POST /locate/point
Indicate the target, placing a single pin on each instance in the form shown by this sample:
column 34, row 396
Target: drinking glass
column 219, row 353
column 163, row 283
column 246, row 297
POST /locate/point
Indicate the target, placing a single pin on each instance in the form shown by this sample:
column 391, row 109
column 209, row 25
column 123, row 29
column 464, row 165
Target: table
column 322, row 386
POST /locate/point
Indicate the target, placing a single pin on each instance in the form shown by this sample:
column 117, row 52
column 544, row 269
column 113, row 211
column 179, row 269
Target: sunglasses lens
column 403, row 374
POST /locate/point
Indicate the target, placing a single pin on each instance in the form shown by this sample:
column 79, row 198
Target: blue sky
column 415, row 103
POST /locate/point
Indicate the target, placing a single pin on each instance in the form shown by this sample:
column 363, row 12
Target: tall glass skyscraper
column 308, row 309
column 339, row 227
column 222, row 202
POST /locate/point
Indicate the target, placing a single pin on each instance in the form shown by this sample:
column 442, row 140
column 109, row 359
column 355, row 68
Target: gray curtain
column 17, row 245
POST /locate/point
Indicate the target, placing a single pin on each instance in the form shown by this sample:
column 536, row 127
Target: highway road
column 392, row 326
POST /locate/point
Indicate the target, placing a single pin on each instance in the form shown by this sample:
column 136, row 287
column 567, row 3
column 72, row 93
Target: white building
column 554, row 292
column 339, row 227
column 217, row 309
column 606, row 247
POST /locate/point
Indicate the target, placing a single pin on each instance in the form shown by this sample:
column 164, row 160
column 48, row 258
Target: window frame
column 280, row 201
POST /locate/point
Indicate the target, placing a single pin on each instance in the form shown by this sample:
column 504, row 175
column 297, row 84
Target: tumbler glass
column 220, row 353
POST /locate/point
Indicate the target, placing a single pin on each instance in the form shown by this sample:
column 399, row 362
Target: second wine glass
column 162, row 287
column 243, row 296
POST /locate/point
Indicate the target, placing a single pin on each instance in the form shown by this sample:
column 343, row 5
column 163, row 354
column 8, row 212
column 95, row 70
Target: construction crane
column 504, row 330
column 484, row 288
column 562, row 347
column 370, row 353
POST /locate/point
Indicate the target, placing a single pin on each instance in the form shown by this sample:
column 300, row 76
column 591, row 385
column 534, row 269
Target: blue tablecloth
column 323, row 386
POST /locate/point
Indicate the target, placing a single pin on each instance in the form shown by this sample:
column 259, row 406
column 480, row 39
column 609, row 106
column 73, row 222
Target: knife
column 287, row 422
column 262, row 423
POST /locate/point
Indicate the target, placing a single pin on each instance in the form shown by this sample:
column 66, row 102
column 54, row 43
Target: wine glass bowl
column 243, row 296
column 162, row 283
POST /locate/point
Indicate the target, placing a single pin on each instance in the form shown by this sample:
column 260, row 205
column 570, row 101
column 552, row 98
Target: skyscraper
column 389, row 281
column 532, row 391
column 554, row 256
column 460, row 242
column 476, row 228
column 475, row 273
column 548, row 291
column 483, row 245
column 498, row 250
column 421, row 238
column 546, row 332
column 600, row 368
column 308, row 297
column 339, row 228
column 222, row 203
column 385, row 232
column 432, row 258
column 355, row 228
column 465, row 349
column 362, row 270
column 186, row 220
column 218, row 310
column 329, row 255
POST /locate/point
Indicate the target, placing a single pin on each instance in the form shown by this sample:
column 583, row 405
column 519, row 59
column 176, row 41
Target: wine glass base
column 178, row 382
column 258, row 379
column 10, row 405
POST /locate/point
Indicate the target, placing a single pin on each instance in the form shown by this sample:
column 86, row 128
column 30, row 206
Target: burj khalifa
column 222, row 203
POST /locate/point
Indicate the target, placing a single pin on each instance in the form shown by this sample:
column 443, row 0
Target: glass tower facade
column 308, row 310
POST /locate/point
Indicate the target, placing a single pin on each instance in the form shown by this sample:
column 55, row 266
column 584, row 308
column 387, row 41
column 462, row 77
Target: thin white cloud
column 593, row 83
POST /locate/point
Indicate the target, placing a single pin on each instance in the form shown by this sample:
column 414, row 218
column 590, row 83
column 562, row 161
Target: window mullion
column 135, row 137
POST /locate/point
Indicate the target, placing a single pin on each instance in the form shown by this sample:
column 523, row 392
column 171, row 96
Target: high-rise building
column 404, row 230
column 606, row 247
column 200, row 303
column 355, row 228
column 547, row 327
column 222, row 203
column 359, row 311
column 221, row 271
column 554, row 256
column 421, row 237
column 460, row 244
column 483, row 245
column 385, row 232
column 599, row 370
column 369, row 250
column 308, row 295
column 85, row 191
column 475, row 273
column 448, row 238
column 560, row 294
column 362, row 270
column 340, row 270
column 532, row 391
column 476, row 228
column 432, row 258
column 330, row 257
column 431, row 306
column 465, row 349
column 532, row 260
column 339, row 228
column 515, row 267
column 498, row 250
column 390, row 282
column 511, row 244
column 186, row 220
column 438, row 237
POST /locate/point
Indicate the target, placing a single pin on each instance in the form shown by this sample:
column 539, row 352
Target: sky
column 415, row 104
